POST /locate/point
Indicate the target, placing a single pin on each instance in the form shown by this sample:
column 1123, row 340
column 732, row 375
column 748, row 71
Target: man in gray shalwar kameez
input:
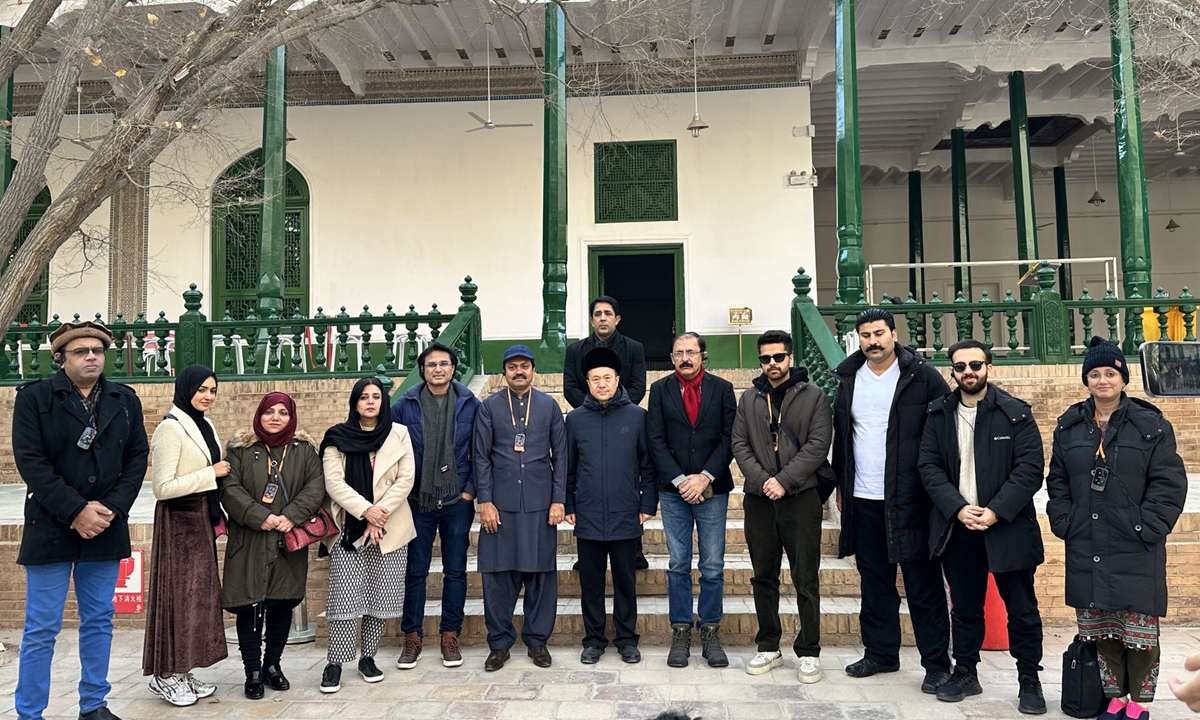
column 521, row 479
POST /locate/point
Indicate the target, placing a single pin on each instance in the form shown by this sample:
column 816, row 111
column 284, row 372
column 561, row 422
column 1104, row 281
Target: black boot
column 681, row 645
column 254, row 686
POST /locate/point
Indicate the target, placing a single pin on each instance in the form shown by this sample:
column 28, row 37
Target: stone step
column 839, row 578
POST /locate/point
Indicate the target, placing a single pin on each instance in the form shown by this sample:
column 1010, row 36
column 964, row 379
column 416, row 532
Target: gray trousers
column 500, row 591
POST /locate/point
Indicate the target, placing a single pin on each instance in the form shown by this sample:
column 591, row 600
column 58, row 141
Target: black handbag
column 1082, row 689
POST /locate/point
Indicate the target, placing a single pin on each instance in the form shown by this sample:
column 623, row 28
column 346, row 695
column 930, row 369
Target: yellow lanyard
column 512, row 417
column 276, row 468
column 1103, row 432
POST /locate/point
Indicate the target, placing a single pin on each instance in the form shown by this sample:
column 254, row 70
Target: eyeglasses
column 681, row 354
column 84, row 352
column 976, row 366
column 442, row 364
column 768, row 359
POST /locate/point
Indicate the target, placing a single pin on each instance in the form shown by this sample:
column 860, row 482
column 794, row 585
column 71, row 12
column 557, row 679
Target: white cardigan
column 179, row 456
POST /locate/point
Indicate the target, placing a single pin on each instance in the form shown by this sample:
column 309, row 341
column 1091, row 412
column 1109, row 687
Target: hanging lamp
column 1095, row 200
column 697, row 124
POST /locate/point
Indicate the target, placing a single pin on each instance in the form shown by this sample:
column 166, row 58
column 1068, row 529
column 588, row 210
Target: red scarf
column 691, row 395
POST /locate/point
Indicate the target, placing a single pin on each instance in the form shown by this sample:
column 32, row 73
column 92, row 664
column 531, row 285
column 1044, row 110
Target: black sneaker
column 681, row 644
column 368, row 671
column 868, row 667
column 934, row 679
column 1030, row 699
column 710, row 641
column 962, row 682
column 331, row 678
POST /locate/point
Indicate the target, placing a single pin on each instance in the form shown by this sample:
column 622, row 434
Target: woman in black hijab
column 184, row 625
column 369, row 471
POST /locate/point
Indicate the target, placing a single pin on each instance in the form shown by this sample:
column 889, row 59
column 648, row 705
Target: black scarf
column 186, row 384
column 357, row 445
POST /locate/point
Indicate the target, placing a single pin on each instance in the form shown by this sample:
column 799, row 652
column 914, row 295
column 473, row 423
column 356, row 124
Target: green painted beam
column 851, row 264
column 1062, row 226
column 960, row 225
column 1027, row 240
column 274, row 154
column 553, row 349
column 916, row 236
column 6, row 116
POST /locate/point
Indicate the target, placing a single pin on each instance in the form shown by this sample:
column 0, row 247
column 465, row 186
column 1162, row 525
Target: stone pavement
column 574, row 691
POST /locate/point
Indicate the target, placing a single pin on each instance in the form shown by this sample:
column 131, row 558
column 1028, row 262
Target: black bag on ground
column 1082, row 690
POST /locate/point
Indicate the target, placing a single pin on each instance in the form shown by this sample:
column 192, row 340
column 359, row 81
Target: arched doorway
column 236, row 232
column 35, row 307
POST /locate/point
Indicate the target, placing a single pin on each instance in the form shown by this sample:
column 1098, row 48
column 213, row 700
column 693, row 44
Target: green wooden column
column 553, row 350
column 6, row 114
column 960, row 224
column 851, row 265
column 1131, row 167
column 916, row 237
column 274, row 154
column 1027, row 242
column 1063, row 232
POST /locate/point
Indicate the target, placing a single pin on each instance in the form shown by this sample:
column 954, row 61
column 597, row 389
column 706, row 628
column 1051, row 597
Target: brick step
column 839, row 578
column 839, row 623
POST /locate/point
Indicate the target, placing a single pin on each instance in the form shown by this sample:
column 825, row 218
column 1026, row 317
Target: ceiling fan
column 488, row 124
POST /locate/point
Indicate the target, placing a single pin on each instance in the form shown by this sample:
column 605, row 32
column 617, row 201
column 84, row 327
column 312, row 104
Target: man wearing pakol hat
column 520, row 447
column 611, row 491
column 80, row 447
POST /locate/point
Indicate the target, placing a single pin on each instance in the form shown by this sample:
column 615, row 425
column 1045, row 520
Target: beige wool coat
column 181, row 465
column 394, row 475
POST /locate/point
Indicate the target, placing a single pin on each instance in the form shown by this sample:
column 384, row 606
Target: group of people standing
column 937, row 483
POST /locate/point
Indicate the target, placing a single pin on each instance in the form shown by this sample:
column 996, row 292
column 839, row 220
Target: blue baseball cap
column 518, row 351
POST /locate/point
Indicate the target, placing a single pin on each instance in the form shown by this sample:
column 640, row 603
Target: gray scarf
column 438, row 487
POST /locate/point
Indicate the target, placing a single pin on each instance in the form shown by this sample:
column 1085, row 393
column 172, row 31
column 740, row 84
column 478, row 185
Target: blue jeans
column 708, row 517
column 453, row 524
column 45, row 598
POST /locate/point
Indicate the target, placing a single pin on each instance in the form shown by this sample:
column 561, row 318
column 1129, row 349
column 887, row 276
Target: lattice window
column 636, row 182
column 36, row 305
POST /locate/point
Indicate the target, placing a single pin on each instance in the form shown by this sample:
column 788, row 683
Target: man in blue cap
column 520, row 449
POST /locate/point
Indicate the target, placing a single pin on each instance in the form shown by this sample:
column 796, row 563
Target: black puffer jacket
column 906, row 504
column 1116, row 539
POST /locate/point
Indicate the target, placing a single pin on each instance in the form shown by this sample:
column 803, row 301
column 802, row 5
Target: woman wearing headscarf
column 368, row 474
column 184, row 628
column 1117, row 485
column 274, row 483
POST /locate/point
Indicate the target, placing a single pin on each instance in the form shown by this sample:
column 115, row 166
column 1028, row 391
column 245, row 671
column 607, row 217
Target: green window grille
column 237, row 228
column 636, row 182
column 35, row 307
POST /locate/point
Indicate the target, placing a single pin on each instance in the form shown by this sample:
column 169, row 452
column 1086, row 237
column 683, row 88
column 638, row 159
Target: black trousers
column 966, row 567
column 789, row 525
column 271, row 619
column 594, row 558
column 879, row 619
column 500, row 591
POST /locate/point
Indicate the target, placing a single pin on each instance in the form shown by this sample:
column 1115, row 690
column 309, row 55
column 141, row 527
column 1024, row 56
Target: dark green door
column 647, row 281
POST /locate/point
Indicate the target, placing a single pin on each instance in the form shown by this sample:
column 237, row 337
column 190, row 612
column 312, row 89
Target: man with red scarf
column 689, row 425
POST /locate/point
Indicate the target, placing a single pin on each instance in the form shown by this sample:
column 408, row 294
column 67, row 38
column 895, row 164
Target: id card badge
column 519, row 442
column 269, row 493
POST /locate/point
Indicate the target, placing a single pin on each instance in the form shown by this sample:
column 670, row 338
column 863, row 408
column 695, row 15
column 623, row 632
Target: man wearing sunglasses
column 80, row 447
column 982, row 462
column 781, row 437
column 879, row 417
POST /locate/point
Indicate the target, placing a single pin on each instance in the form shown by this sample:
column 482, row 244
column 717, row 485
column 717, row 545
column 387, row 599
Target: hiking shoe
column 1030, row 699
column 368, row 670
column 962, row 682
column 764, row 662
column 810, row 670
column 868, row 667
column 173, row 689
column 710, row 642
column 331, row 678
column 199, row 689
column 451, row 657
column 411, row 653
column 591, row 654
column 681, row 644
column 934, row 679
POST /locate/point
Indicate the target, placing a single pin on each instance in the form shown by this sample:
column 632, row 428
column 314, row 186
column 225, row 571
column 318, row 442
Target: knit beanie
column 1102, row 353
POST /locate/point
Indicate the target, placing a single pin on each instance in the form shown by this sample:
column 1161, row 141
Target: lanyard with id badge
column 1100, row 470
column 519, row 437
column 274, row 478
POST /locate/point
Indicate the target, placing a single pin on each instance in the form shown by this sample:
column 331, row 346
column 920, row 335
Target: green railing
column 814, row 345
column 293, row 347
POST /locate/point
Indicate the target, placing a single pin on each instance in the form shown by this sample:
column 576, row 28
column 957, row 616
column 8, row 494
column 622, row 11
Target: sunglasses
column 768, row 359
column 976, row 366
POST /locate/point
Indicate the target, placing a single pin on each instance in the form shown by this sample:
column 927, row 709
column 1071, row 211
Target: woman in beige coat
column 184, row 626
column 368, row 476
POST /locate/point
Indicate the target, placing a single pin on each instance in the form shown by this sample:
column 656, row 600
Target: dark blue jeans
column 452, row 524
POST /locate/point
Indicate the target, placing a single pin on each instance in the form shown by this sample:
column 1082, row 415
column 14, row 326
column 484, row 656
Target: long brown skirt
column 184, row 626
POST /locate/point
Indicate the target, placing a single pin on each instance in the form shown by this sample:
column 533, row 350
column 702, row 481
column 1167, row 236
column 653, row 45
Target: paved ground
column 576, row 692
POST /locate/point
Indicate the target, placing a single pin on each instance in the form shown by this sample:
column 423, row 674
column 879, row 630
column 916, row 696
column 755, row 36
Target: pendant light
column 1095, row 200
column 696, row 125
column 1172, row 226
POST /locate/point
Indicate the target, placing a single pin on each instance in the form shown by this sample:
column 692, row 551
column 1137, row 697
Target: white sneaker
column 199, row 689
column 764, row 662
column 810, row 670
column 173, row 689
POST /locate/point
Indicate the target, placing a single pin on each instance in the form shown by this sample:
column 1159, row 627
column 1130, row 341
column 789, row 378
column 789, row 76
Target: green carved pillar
column 553, row 350
column 1027, row 243
column 916, row 237
column 1063, row 232
column 1131, row 167
column 193, row 340
column 274, row 156
column 1049, row 343
column 851, row 264
column 960, row 223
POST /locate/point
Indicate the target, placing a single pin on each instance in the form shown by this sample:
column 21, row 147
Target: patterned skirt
column 1134, row 630
column 365, row 583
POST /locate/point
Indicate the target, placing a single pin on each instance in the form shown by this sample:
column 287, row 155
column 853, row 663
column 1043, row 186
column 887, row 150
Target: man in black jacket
column 879, row 418
column 80, row 446
column 690, row 419
column 982, row 462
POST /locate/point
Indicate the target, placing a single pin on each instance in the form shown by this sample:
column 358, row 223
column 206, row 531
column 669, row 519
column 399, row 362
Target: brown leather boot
column 412, row 651
column 451, row 657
